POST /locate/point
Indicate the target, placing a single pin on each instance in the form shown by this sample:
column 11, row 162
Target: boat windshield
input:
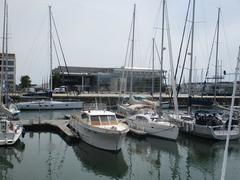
column 112, row 119
column 85, row 118
column 103, row 120
column 95, row 120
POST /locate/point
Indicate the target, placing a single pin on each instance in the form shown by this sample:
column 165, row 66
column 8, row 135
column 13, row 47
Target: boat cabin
column 5, row 126
column 99, row 118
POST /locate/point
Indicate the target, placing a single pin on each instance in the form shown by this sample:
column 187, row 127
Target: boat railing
column 221, row 127
column 94, row 106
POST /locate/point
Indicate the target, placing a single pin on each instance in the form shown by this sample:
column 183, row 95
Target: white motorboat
column 9, row 132
column 150, row 123
column 99, row 128
column 49, row 105
column 207, row 125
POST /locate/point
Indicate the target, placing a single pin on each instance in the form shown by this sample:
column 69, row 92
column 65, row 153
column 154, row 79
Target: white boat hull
column 164, row 130
column 209, row 132
column 49, row 105
column 10, row 138
column 98, row 137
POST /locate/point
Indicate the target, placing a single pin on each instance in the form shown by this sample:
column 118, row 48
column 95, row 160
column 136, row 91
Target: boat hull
column 98, row 137
column 10, row 138
column 161, row 130
column 217, row 133
column 49, row 105
column 204, row 131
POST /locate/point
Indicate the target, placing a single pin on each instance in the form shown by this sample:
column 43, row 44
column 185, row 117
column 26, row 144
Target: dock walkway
column 60, row 124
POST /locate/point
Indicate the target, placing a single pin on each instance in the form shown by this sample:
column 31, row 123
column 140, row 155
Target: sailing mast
column 153, row 78
column 3, row 50
column 50, row 45
column 191, row 62
column 225, row 157
column 132, row 52
column 161, row 60
column 216, row 64
column 6, row 59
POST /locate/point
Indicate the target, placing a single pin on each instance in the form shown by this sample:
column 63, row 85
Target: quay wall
column 112, row 99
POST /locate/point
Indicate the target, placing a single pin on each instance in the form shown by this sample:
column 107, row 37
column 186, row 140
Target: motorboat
column 48, row 105
column 150, row 123
column 206, row 124
column 99, row 128
column 9, row 132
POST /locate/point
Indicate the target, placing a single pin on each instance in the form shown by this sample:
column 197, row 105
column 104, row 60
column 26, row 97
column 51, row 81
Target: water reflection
column 9, row 156
column 203, row 158
column 152, row 158
column 101, row 162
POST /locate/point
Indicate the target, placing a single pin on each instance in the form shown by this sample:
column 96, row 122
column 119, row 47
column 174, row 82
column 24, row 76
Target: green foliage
column 56, row 80
column 25, row 81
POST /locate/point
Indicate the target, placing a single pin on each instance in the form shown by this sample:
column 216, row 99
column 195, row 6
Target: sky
column 95, row 33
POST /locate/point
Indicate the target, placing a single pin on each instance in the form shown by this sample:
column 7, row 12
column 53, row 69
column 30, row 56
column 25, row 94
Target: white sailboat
column 9, row 131
column 49, row 104
column 151, row 123
column 205, row 124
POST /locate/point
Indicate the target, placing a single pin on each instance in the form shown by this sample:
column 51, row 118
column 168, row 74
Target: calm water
column 40, row 156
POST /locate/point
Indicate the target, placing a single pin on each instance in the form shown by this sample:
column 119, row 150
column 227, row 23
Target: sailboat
column 6, row 99
column 49, row 104
column 204, row 123
column 9, row 131
column 150, row 122
column 135, row 104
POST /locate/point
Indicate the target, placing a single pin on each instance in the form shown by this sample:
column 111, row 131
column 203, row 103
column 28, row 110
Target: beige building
column 9, row 71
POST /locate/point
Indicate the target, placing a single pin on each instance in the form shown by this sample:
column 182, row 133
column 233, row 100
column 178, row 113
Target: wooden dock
column 60, row 125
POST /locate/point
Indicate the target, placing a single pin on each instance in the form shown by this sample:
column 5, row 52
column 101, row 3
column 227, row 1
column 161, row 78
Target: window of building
column 11, row 63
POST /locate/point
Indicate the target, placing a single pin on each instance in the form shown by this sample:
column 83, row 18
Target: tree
column 56, row 80
column 25, row 81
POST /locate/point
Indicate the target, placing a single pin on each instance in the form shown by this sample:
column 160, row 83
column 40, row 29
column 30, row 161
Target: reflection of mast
column 8, row 156
column 49, row 160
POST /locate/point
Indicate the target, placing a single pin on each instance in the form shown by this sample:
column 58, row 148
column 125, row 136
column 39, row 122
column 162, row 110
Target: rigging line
column 157, row 52
column 229, row 54
column 157, row 19
column 184, row 62
column 56, row 52
column 35, row 39
column 183, row 35
column 125, row 62
column 209, row 60
column 60, row 44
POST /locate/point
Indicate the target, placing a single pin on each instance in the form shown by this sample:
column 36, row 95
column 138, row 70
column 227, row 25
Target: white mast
column 3, row 50
column 224, row 164
column 132, row 52
column 191, row 61
column 50, row 45
column 161, row 61
column 153, row 77
column 173, row 81
column 216, row 64
column 6, row 60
